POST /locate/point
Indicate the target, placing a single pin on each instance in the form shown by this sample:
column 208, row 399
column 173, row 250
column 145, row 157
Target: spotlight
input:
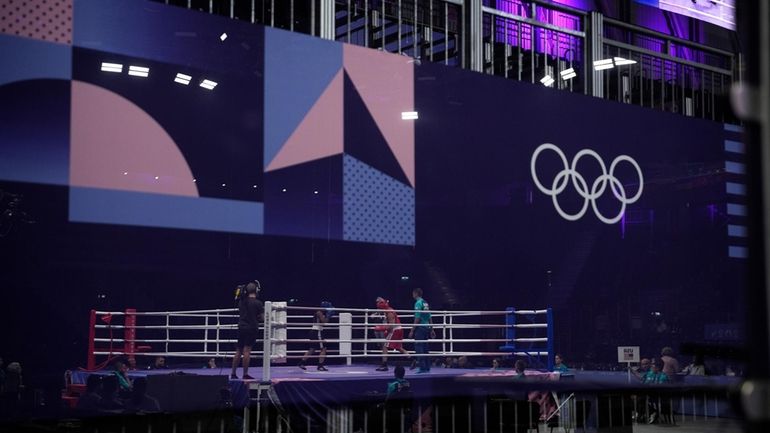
column 223, row 37
column 603, row 64
column 409, row 115
column 182, row 78
column 138, row 71
column 620, row 61
column 547, row 81
column 112, row 67
column 568, row 74
column 208, row 84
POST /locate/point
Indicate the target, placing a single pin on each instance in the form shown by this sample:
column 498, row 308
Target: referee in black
column 251, row 313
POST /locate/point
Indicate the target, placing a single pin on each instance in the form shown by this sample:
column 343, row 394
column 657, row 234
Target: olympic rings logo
column 561, row 180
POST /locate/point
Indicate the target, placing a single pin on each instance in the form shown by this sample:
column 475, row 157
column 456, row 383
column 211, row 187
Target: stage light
column 254, row 186
column 547, row 81
column 283, row 190
column 182, row 78
column 568, row 74
column 208, row 84
column 112, row 67
column 195, row 180
column 620, row 61
column 138, row 71
column 223, row 37
column 125, row 173
column 315, row 192
column 409, row 115
column 603, row 64
column 224, row 185
column 157, row 177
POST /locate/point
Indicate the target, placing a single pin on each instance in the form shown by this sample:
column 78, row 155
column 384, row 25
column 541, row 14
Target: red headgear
column 382, row 303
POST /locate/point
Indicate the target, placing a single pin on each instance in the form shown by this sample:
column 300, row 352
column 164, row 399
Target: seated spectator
column 696, row 368
column 158, row 364
column 670, row 364
column 211, row 363
column 400, row 384
column 121, row 373
column 559, row 365
column 91, row 401
column 110, row 401
column 140, row 401
column 464, row 362
column 496, row 364
column 10, row 398
column 642, row 369
column 519, row 367
column 655, row 375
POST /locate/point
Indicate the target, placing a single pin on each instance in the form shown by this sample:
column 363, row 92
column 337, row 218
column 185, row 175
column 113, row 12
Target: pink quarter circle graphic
column 114, row 144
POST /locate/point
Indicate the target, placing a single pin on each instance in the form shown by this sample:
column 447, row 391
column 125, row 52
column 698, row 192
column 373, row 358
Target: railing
column 524, row 40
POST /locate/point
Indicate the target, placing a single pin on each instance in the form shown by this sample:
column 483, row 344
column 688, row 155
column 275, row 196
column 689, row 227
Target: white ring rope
column 211, row 333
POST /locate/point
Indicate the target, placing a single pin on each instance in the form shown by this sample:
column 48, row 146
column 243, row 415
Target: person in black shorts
column 320, row 318
column 250, row 312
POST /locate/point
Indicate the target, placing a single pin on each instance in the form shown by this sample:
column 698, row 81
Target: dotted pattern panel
column 46, row 20
column 376, row 207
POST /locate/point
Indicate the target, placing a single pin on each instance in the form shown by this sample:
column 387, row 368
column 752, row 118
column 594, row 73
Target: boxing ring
column 212, row 334
column 350, row 394
column 192, row 337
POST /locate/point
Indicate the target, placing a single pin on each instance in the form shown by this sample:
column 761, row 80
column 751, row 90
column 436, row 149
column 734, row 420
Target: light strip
column 182, row 78
column 547, row 81
column 620, row 61
column 223, row 37
column 568, row 74
column 208, row 84
column 603, row 64
column 138, row 71
column 409, row 115
column 112, row 67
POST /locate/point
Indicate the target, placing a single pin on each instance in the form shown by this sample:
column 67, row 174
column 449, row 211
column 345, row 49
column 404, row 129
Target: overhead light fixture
column 112, row 67
column 409, row 115
column 182, row 78
column 208, row 84
column 223, row 37
column 547, row 81
column 603, row 64
column 620, row 61
column 568, row 74
column 138, row 71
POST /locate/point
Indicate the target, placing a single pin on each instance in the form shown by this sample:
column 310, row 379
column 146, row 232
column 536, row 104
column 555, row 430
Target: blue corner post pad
column 510, row 330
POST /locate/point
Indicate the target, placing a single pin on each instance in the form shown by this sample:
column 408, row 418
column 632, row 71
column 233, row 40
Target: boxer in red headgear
column 393, row 333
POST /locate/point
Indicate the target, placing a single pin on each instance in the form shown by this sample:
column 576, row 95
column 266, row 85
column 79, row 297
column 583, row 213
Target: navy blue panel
column 305, row 200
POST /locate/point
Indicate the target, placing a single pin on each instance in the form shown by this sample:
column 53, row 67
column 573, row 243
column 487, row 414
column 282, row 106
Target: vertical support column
column 510, row 330
column 206, row 335
column 595, row 44
column 91, row 363
column 476, row 39
column 327, row 20
column 549, row 334
column 346, row 333
column 129, row 336
column 267, row 341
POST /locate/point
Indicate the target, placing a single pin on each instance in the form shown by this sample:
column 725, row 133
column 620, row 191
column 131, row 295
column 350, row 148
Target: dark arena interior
column 352, row 216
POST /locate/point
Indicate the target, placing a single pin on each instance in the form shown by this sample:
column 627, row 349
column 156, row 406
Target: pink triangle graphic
column 320, row 134
column 386, row 85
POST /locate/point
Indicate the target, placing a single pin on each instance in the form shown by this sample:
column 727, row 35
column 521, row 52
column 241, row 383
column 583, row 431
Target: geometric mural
column 324, row 99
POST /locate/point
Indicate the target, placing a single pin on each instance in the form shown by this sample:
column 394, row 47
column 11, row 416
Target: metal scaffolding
column 523, row 40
